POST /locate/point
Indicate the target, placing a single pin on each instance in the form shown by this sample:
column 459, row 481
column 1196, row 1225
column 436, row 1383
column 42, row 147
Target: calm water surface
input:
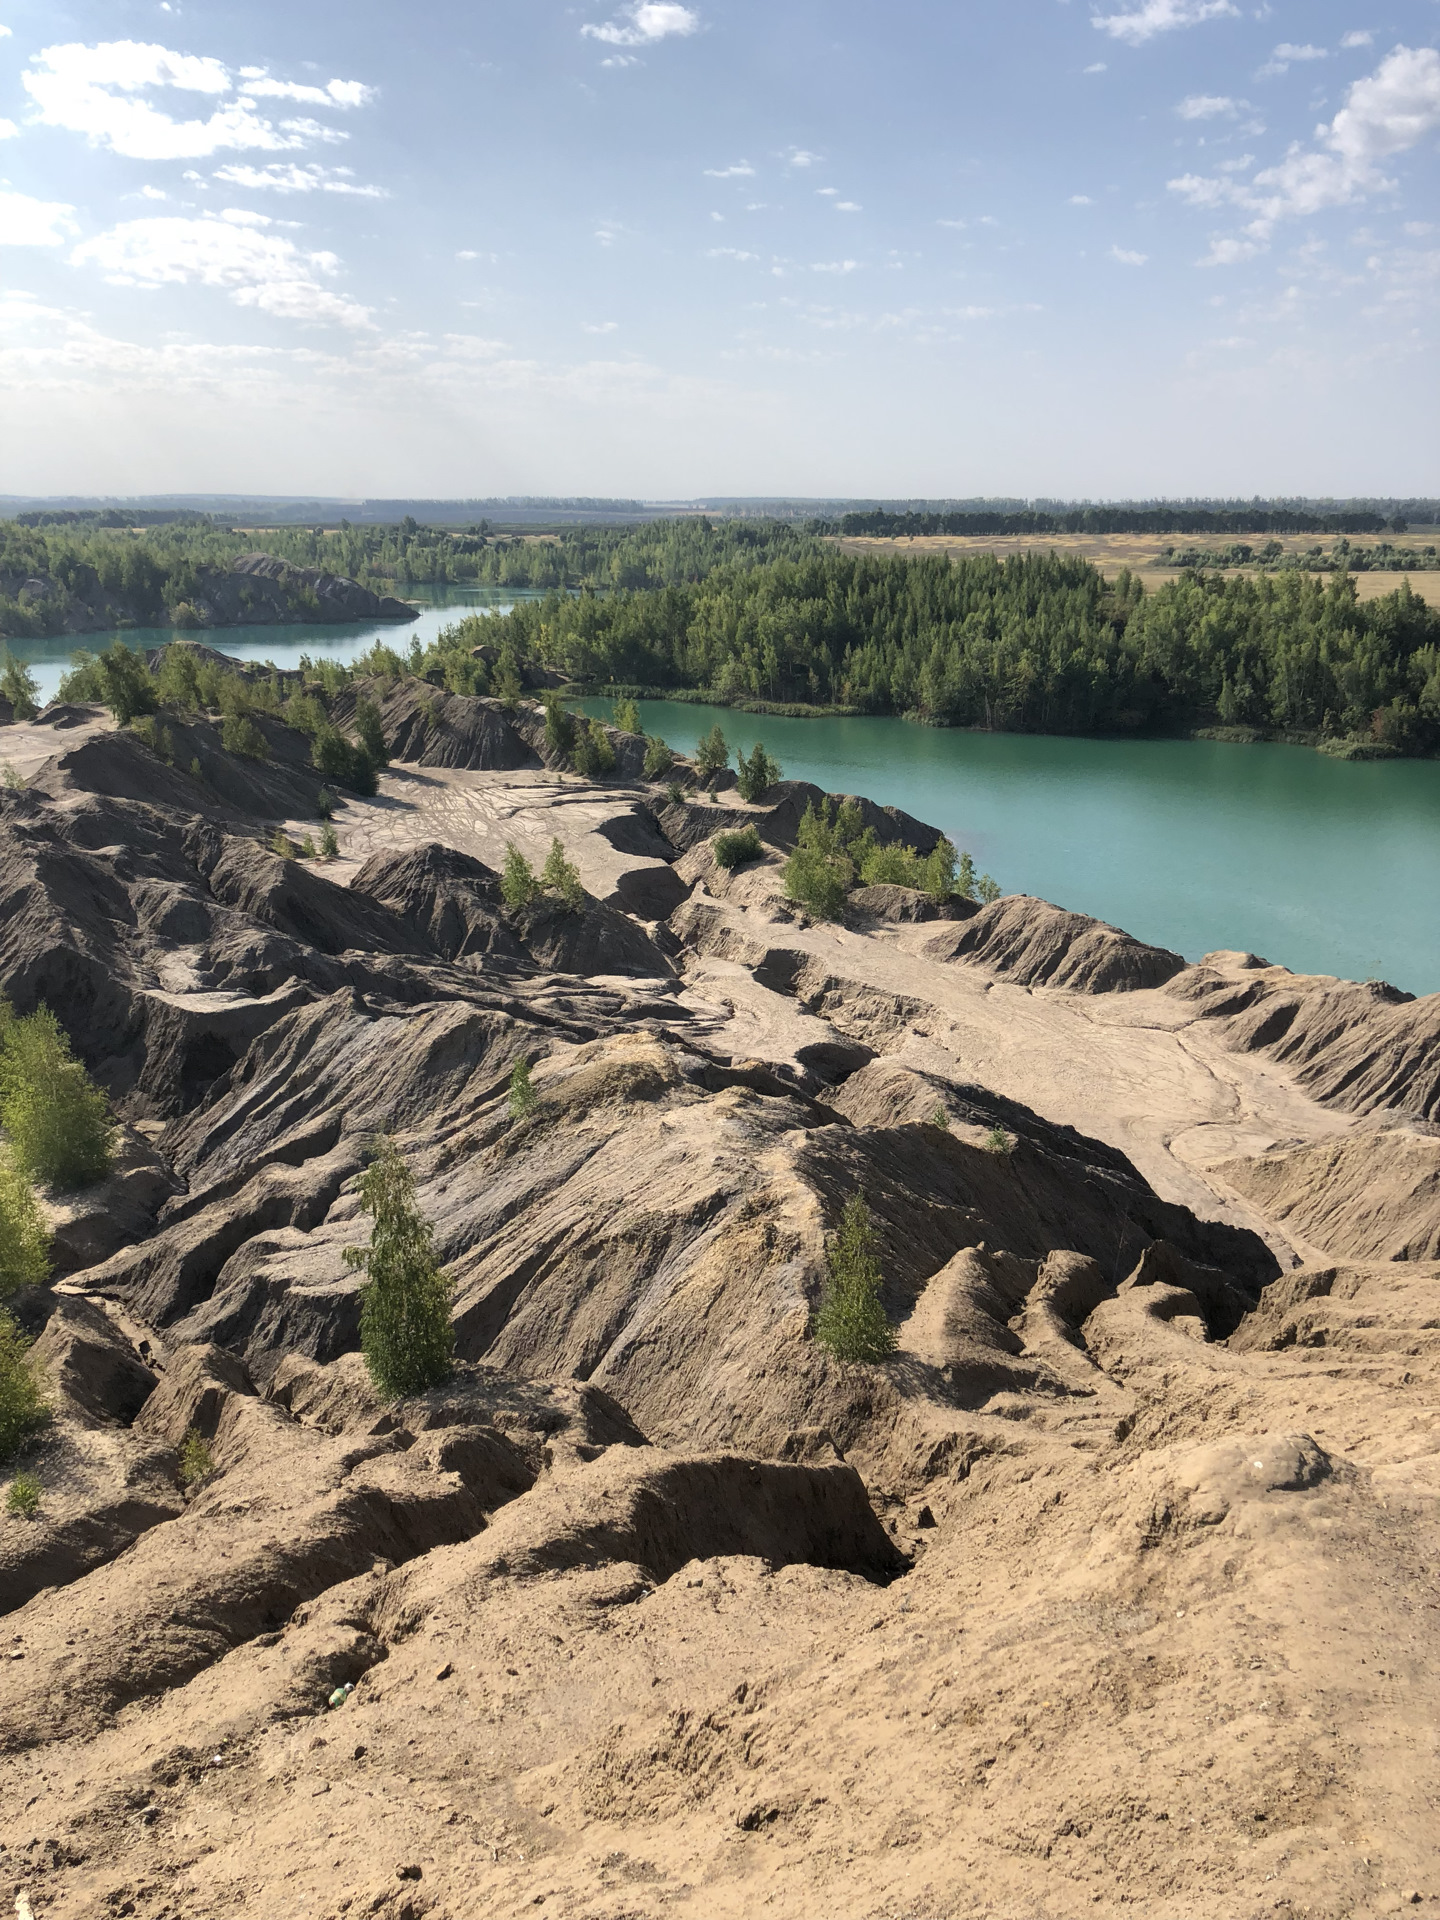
column 1322, row 866
column 283, row 645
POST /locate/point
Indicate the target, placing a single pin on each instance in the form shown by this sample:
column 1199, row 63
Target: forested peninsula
column 760, row 614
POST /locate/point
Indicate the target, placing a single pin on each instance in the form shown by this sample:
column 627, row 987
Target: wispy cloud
column 1211, row 106
column 1285, row 54
column 1362, row 37
column 848, row 206
column 1127, row 257
column 1142, row 23
column 599, row 326
column 1387, row 112
column 280, row 177
column 800, row 157
column 98, row 91
column 646, row 23
column 742, row 170
column 232, row 251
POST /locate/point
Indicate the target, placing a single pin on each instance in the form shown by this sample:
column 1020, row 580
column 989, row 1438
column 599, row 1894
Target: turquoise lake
column 1321, row 865
column 1324, row 866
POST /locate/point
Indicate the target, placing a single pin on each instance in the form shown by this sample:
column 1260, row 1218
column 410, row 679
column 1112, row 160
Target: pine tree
column 57, row 1119
column 405, row 1331
column 850, row 1319
column 517, row 883
column 563, row 876
column 24, row 1242
column 523, row 1097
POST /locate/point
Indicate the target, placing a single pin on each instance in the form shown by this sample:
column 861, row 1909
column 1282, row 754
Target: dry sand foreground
column 1117, row 1591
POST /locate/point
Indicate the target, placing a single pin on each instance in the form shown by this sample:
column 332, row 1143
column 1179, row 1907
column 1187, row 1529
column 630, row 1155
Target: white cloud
column 1142, row 23
column 742, row 170
column 285, row 177
column 5, row 32
column 649, row 21
column 824, row 191
column 1127, row 257
column 848, row 206
column 1287, row 52
column 1210, row 106
column 1362, row 37
column 93, row 90
column 1387, row 112
column 600, row 326
column 800, row 157
column 153, row 193
column 1081, row 200
column 1097, row 66
column 8, row 130
column 729, row 253
column 467, row 253
column 256, row 268
column 336, row 93
column 34, row 223
column 834, row 266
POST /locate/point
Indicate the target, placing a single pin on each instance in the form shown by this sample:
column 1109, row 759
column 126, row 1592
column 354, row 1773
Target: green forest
column 1038, row 643
column 755, row 612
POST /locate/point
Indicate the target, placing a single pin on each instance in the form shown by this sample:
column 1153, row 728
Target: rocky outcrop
column 1037, row 945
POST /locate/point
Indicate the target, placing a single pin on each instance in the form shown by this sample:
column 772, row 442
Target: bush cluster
column 405, row 1331
column 834, row 852
column 734, row 849
column 56, row 1120
column 850, row 1319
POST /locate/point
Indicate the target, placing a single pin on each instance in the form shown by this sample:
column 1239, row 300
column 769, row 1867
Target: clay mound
column 1364, row 1048
column 1363, row 1196
column 892, row 905
column 118, row 765
column 295, row 900
column 427, row 727
column 450, row 901
column 685, row 824
column 597, row 939
column 338, row 598
column 1037, row 945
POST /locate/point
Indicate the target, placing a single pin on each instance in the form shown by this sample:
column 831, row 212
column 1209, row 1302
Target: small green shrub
column 559, row 727
column 22, row 1497
column 333, row 755
column 371, row 730
column 325, row 804
column 818, row 882
column 19, row 686
column 405, row 1331
column 517, row 882
column 13, row 782
column 24, row 1241
column 197, row 772
column 627, row 716
column 329, row 844
column 57, row 1119
column 757, row 774
column 197, row 1463
column 988, row 889
column 307, row 847
column 850, row 1319
column 562, row 876
column 712, row 753
column 593, row 753
column 125, row 684
column 998, row 1141
column 734, row 849
column 239, row 734
column 659, row 760
column 675, row 794
column 523, row 1097
column 941, row 1117
column 965, row 878
column 281, row 843
column 22, row 1405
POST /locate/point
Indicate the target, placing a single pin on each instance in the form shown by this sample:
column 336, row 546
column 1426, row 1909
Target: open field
column 1140, row 552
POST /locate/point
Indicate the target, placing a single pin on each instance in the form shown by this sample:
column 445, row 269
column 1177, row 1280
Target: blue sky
column 805, row 246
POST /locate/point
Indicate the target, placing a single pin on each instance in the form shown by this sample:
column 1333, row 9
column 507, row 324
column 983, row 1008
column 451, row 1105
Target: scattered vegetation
column 998, row 1141
column 562, row 876
column 627, row 716
column 712, row 754
column 675, row 794
column 19, row 686
column 941, row 1117
column 22, row 1404
column 850, row 1319
column 405, row 1331
column 523, row 1097
column 329, row 843
column 658, row 759
column 734, row 849
column 56, row 1119
column 13, row 782
column 239, row 734
column 518, row 884
column 757, row 774
column 24, row 1241
column 592, row 754
column 197, row 1462
column 22, row 1497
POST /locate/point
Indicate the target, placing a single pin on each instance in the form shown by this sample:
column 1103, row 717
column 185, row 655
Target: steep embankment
column 655, row 1595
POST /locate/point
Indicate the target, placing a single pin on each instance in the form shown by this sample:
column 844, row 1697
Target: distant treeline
column 1116, row 520
column 1037, row 643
